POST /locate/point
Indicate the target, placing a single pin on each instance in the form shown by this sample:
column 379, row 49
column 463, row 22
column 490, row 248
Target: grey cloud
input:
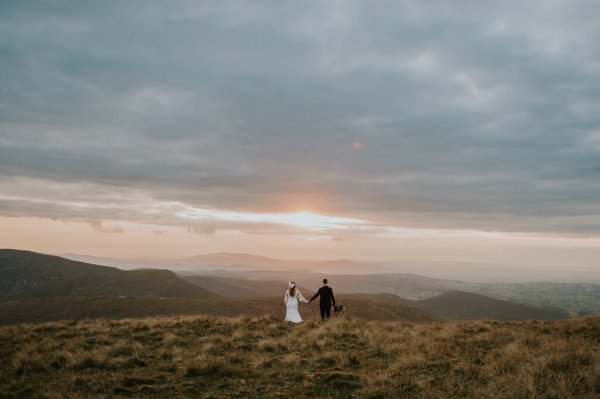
column 472, row 115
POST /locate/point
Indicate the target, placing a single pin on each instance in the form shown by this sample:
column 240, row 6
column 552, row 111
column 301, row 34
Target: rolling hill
column 466, row 305
column 32, row 275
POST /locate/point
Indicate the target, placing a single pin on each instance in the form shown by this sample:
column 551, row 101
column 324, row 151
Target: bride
column 291, row 298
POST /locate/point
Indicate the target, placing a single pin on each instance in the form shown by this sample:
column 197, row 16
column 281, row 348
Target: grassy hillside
column 27, row 274
column 267, row 358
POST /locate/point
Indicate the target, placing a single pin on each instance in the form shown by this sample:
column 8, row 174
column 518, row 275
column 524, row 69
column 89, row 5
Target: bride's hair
column 293, row 289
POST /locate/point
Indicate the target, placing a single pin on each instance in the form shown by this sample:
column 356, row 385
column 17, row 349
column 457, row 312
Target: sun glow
column 303, row 219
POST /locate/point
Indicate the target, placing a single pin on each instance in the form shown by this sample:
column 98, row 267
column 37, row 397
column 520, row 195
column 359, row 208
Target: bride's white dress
column 291, row 303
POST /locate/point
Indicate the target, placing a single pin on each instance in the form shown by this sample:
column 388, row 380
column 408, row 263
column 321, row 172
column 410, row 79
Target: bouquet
column 339, row 308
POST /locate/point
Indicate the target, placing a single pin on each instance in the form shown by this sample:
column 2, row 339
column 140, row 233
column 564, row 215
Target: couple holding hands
column 293, row 296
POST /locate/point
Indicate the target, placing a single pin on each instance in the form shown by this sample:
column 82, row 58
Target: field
column 213, row 357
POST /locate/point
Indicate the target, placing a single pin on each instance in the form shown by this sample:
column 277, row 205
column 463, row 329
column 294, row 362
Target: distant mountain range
column 36, row 287
column 472, row 272
column 227, row 261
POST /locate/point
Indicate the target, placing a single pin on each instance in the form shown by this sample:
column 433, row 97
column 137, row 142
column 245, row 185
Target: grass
column 211, row 357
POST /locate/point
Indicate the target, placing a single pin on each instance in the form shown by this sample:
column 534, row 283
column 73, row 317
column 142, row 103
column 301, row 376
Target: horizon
column 407, row 132
column 475, row 272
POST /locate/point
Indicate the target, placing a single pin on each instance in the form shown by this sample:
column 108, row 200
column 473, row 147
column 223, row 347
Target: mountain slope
column 27, row 274
column 466, row 305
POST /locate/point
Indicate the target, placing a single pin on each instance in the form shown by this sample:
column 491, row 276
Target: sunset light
column 303, row 219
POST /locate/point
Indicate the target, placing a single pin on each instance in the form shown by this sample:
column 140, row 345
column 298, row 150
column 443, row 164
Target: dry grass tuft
column 265, row 357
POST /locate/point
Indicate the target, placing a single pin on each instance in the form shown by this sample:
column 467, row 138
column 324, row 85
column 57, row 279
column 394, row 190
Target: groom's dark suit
column 326, row 300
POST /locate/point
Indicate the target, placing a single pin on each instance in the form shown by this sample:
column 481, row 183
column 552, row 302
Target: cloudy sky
column 390, row 130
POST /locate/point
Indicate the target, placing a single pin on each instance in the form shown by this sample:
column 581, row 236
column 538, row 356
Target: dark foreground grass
column 267, row 358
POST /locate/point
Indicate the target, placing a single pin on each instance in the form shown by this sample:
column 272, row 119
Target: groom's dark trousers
column 327, row 299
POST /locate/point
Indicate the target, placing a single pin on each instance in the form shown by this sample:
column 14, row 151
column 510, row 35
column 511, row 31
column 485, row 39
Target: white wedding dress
column 291, row 303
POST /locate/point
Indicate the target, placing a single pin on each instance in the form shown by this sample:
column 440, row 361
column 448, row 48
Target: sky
column 389, row 130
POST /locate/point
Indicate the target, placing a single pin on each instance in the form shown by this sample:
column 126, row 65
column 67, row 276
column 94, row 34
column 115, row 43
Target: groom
column 326, row 301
